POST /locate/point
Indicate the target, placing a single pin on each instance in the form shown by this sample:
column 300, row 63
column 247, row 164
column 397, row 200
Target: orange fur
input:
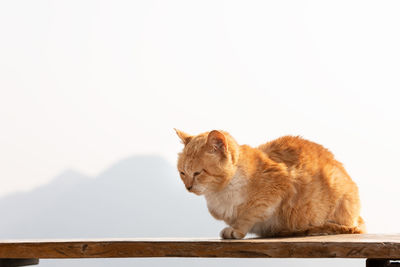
column 289, row 186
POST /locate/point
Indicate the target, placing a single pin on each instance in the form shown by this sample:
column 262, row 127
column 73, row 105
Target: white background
column 86, row 83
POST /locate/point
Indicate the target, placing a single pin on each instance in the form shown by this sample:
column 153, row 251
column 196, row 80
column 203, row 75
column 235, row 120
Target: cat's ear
column 217, row 141
column 185, row 138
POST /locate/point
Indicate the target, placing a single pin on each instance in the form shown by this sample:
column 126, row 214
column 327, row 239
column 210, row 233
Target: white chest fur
column 224, row 203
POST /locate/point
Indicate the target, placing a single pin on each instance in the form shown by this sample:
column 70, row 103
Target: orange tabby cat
column 289, row 186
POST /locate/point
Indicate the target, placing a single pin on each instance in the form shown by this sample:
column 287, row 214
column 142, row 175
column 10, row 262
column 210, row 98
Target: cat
column 287, row 187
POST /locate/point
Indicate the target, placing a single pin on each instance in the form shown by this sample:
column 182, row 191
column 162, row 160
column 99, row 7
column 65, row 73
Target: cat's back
column 296, row 151
column 321, row 191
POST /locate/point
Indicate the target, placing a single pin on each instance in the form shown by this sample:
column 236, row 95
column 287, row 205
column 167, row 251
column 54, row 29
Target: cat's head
column 208, row 161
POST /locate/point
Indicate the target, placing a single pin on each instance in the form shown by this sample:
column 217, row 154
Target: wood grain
column 334, row 246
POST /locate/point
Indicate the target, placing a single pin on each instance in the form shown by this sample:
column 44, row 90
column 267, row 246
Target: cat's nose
column 189, row 187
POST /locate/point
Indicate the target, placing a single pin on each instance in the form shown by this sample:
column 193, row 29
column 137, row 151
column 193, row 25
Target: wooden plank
column 334, row 246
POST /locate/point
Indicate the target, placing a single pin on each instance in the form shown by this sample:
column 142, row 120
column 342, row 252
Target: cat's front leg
column 246, row 220
column 239, row 228
column 231, row 233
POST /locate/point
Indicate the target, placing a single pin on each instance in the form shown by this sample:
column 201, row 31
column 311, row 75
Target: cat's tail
column 361, row 225
column 334, row 228
column 328, row 228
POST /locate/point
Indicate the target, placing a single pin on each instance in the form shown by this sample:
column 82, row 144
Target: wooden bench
column 379, row 250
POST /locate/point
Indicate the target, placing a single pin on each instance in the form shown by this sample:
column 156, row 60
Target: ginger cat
column 289, row 186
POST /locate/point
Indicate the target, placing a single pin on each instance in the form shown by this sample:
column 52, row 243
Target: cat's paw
column 230, row 233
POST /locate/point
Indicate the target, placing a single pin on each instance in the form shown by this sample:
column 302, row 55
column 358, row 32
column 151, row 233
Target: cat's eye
column 196, row 173
column 182, row 173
